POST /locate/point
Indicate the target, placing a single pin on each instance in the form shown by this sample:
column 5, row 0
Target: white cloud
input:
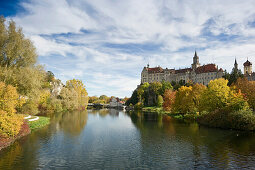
column 106, row 43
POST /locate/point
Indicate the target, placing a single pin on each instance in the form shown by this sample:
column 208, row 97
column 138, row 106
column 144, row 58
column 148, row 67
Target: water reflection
column 202, row 147
column 112, row 139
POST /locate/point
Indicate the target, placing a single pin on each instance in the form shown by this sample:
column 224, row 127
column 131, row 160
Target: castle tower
column 235, row 65
column 247, row 67
column 196, row 63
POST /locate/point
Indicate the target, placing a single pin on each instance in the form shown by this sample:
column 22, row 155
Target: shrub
column 139, row 106
column 10, row 124
column 240, row 120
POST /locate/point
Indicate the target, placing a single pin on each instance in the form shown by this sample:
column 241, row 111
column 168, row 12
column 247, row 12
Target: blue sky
column 106, row 43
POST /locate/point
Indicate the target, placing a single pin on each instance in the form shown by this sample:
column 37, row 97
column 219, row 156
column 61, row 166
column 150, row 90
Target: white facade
column 115, row 103
column 197, row 74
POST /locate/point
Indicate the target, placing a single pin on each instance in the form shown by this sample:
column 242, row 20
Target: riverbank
column 26, row 129
column 160, row 110
column 5, row 142
column 238, row 120
column 37, row 124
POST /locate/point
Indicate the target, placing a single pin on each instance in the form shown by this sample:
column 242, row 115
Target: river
column 111, row 139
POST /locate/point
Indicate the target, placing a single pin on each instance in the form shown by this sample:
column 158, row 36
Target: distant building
column 116, row 102
column 197, row 73
column 248, row 71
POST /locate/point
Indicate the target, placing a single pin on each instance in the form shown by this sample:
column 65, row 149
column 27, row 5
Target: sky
column 106, row 43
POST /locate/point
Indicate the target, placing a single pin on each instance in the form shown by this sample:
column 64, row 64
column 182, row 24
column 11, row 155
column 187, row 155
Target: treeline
column 103, row 99
column 217, row 104
column 25, row 87
column 152, row 94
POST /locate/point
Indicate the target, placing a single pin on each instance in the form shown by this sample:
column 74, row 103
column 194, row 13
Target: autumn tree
column 183, row 101
column 216, row 95
column 18, row 64
column 169, row 98
column 69, row 99
column 197, row 91
column 219, row 95
column 248, row 89
column 10, row 122
column 80, row 89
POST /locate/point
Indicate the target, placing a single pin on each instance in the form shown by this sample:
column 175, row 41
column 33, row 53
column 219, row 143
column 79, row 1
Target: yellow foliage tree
column 197, row 91
column 219, row 95
column 10, row 122
column 183, row 100
column 80, row 89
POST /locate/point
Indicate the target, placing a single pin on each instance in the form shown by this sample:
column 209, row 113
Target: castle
column 248, row 71
column 196, row 73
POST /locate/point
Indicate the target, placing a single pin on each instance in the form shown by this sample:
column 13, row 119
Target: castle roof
column 206, row 68
column 155, row 70
column 183, row 70
column 247, row 63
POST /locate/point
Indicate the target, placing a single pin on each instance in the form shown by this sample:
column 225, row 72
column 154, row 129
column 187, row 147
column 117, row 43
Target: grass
column 41, row 122
column 179, row 116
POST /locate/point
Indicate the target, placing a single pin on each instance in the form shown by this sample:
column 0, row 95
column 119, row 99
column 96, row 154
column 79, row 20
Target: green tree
column 234, row 75
column 160, row 101
column 15, row 49
column 166, row 86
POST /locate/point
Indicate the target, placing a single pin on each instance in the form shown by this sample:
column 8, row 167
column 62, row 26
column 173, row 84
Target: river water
column 111, row 139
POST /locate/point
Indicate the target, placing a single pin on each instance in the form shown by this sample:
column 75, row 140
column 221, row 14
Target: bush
column 139, row 106
column 239, row 120
column 10, row 124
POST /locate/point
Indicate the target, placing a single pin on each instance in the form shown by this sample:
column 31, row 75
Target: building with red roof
column 196, row 73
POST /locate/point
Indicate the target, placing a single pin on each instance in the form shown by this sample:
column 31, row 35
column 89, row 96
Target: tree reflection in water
column 215, row 148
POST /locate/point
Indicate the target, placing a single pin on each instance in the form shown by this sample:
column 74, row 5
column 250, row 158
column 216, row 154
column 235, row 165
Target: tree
column 69, row 99
column 169, row 98
column 92, row 99
column 15, row 49
column 10, row 122
column 248, row 89
column 18, row 65
column 133, row 99
column 219, row 95
column 166, row 86
column 197, row 91
column 49, row 76
column 79, row 87
column 234, row 75
column 183, row 101
column 160, row 101
column 140, row 91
